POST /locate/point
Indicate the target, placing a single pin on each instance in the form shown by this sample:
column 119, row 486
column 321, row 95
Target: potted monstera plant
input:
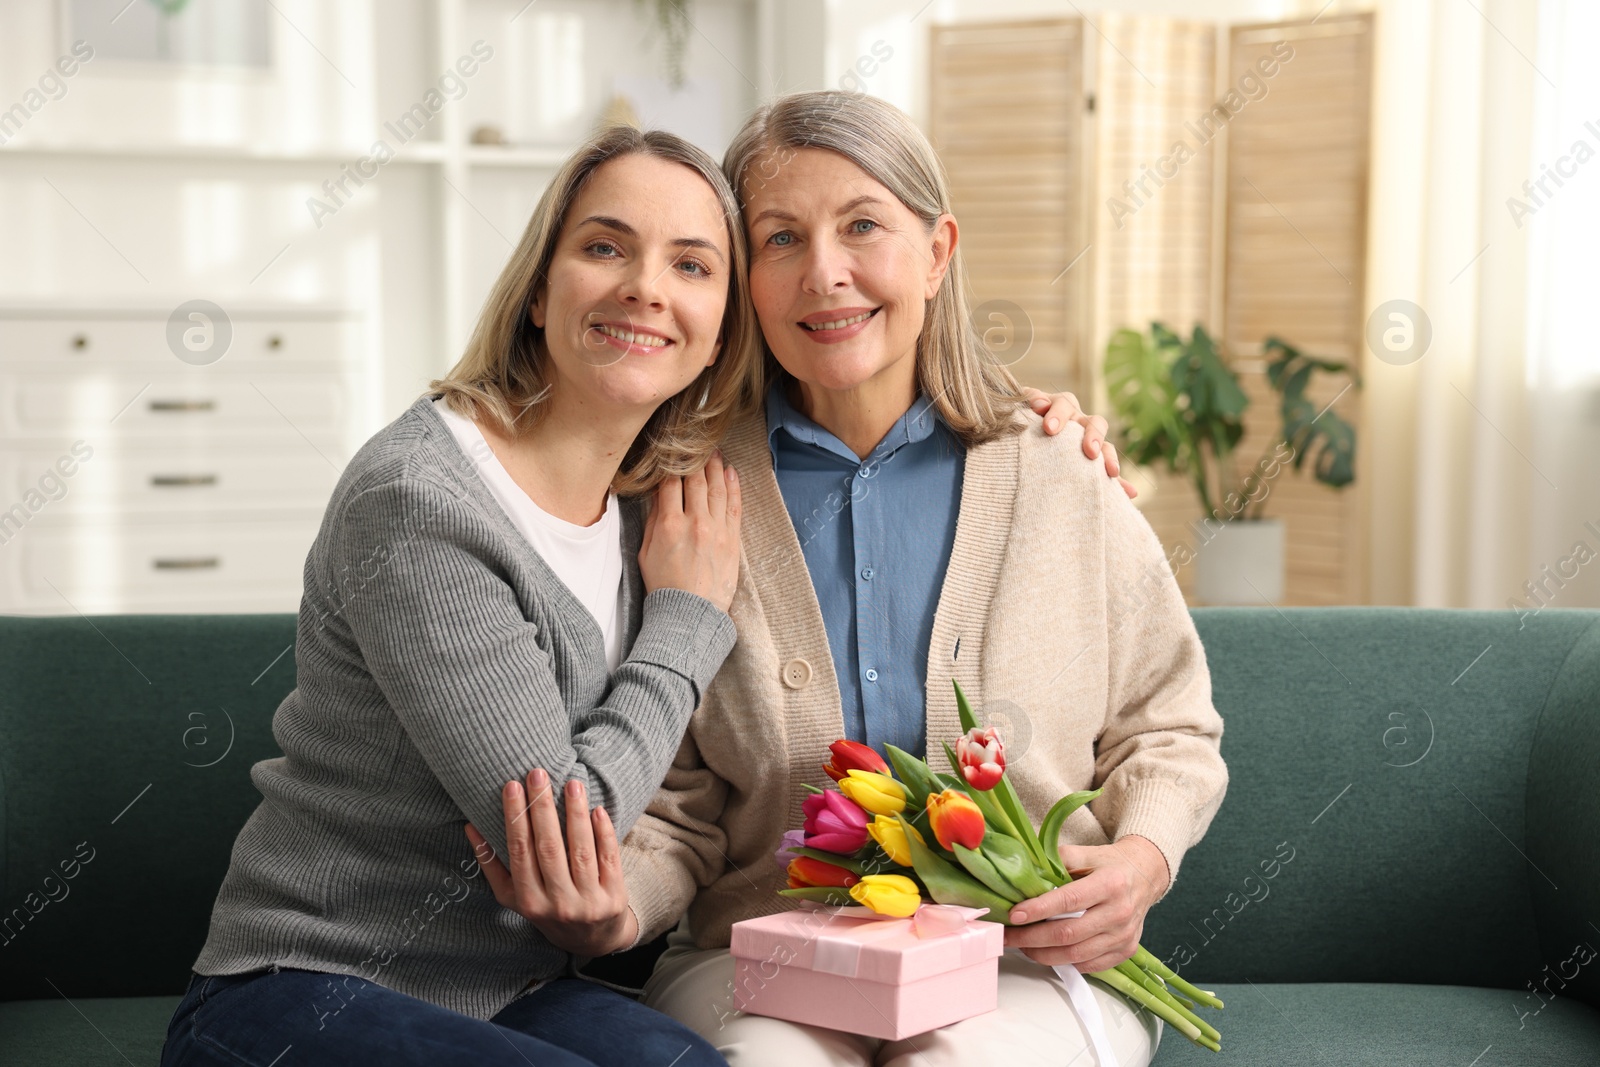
column 1179, row 405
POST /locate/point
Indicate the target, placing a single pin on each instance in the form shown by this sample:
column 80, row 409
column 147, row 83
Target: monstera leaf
column 1178, row 403
column 1216, row 404
column 1322, row 434
column 1139, row 381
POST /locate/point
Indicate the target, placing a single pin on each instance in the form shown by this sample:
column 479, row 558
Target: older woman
column 853, row 619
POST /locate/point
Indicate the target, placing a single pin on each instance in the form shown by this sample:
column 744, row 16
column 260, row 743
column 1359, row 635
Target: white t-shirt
column 587, row 559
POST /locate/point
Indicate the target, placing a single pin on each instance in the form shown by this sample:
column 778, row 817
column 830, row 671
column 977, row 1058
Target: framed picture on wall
column 177, row 34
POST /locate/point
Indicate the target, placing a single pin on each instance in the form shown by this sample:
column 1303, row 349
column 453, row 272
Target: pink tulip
column 834, row 822
column 982, row 757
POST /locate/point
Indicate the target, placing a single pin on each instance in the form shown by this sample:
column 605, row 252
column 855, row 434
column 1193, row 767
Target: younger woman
column 483, row 599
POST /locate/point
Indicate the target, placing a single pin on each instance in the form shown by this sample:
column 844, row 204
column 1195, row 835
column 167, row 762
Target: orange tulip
column 955, row 819
column 853, row 756
column 805, row 871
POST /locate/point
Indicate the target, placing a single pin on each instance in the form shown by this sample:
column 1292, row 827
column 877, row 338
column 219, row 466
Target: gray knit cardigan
column 438, row 657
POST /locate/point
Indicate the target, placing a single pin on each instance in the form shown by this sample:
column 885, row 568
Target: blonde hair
column 503, row 374
column 972, row 389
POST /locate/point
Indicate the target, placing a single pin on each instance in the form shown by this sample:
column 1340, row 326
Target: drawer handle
column 275, row 341
column 182, row 481
column 193, row 563
column 183, row 405
column 80, row 341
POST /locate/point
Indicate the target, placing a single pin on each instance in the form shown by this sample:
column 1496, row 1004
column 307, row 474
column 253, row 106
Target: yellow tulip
column 888, row 894
column 877, row 793
column 887, row 831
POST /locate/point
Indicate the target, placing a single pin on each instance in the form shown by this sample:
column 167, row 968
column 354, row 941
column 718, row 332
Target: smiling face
column 841, row 272
column 632, row 307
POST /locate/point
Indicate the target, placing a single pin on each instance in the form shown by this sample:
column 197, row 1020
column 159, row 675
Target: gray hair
column 972, row 389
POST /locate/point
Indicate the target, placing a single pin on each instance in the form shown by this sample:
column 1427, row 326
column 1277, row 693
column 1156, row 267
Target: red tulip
column 805, row 871
column 834, row 822
column 853, row 756
column 956, row 819
column 982, row 757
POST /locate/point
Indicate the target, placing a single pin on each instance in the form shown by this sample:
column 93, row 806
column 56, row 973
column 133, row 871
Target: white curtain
column 1563, row 337
column 1482, row 454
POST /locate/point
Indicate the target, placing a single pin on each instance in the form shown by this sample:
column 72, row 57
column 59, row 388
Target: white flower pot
column 1241, row 563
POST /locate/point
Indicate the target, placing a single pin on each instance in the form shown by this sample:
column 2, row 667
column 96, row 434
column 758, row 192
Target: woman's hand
column 691, row 540
column 573, row 893
column 1118, row 884
column 1059, row 409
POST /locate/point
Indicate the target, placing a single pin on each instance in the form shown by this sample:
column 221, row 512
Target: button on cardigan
column 438, row 658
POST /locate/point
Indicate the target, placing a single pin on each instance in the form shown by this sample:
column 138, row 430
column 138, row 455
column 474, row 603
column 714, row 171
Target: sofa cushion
column 126, row 742
column 1382, row 1025
column 1564, row 820
column 92, row 1032
column 1384, row 753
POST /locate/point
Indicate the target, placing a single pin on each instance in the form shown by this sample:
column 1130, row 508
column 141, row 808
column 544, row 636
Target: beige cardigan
column 1058, row 599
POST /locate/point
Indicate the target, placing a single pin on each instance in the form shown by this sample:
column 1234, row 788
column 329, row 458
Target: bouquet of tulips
column 867, row 843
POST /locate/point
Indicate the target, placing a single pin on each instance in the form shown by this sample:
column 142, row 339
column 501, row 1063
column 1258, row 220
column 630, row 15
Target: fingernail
column 539, row 778
column 574, row 787
column 1094, row 449
column 733, row 474
column 510, row 788
column 1052, row 424
column 1019, row 916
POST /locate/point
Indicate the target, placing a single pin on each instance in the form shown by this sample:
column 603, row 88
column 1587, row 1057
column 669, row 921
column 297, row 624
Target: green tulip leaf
column 949, row 884
column 977, row 864
column 1016, row 865
column 1056, row 817
column 822, row 894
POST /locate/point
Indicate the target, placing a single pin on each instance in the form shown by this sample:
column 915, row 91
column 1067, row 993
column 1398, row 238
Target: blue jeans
column 281, row 1019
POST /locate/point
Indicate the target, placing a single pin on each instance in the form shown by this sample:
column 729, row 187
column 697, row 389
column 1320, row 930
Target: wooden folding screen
column 1006, row 115
column 1296, row 240
column 1062, row 144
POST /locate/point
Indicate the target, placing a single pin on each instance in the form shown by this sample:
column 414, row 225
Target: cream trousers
column 1034, row 1025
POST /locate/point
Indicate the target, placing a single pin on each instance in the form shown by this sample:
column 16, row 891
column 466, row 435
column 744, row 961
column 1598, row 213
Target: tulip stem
column 1139, row 995
column 1153, row 986
column 1150, row 962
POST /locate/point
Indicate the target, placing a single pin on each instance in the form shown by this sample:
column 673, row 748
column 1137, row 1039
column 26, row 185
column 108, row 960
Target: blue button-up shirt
column 877, row 535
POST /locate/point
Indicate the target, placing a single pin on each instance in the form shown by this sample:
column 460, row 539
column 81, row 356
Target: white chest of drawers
column 133, row 481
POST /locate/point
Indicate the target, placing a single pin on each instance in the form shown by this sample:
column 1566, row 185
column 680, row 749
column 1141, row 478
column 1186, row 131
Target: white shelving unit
column 131, row 480
column 140, row 189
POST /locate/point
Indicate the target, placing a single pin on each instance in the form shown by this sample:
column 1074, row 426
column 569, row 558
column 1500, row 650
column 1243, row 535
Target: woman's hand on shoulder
column 1058, row 409
column 691, row 540
column 572, row 891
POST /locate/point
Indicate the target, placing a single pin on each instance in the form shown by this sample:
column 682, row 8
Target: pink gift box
column 877, row 977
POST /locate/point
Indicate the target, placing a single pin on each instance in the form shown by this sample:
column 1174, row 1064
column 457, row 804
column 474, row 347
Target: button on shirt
column 877, row 535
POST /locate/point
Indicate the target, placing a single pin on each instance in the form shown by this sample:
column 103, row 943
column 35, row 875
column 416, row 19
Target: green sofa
column 1406, row 870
